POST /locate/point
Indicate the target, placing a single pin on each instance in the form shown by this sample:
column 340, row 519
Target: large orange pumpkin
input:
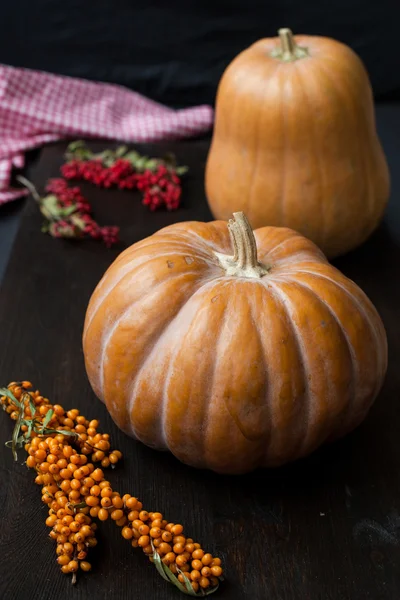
column 232, row 351
column 295, row 142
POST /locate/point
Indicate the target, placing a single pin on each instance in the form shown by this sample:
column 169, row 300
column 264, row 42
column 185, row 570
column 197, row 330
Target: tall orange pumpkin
column 295, row 142
column 232, row 351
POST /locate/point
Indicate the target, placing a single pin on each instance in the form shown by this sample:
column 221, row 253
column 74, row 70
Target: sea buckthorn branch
column 58, row 444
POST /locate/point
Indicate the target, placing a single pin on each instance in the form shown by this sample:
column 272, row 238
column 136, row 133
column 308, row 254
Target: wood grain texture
column 324, row 528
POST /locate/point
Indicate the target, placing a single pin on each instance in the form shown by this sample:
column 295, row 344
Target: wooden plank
column 327, row 527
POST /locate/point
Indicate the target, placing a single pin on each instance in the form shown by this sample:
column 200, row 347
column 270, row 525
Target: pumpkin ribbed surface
column 295, row 143
column 232, row 372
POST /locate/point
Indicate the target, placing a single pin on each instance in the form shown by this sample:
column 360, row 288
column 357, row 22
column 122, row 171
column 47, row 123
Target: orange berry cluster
column 58, row 445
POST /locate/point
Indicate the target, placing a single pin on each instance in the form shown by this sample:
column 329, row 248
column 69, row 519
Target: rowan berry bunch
column 68, row 213
column 158, row 179
column 63, row 447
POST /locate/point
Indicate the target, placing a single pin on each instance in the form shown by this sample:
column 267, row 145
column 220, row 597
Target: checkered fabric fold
column 37, row 108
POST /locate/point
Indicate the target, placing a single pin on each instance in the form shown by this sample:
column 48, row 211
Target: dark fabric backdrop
column 175, row 51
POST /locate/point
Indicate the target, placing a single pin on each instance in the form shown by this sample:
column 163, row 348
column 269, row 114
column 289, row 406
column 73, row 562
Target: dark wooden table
column 326, row 528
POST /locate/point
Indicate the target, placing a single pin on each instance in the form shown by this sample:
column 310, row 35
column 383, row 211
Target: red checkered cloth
column 37, row 107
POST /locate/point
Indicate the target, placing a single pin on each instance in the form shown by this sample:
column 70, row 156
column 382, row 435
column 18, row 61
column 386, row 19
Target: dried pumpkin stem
column 288, row 51
column 244, row 262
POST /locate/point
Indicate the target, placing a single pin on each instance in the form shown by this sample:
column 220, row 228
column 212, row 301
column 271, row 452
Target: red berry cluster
column 159, row 182
column 78, row 222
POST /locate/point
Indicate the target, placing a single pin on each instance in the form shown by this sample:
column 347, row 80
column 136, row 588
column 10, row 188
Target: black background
column 175, row 51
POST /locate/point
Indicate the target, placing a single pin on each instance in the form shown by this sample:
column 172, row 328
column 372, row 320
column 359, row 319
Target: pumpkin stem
column 244, row 261
column 288, row 50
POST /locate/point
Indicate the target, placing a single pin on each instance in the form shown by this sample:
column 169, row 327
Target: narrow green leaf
column 47, row 418
column 29, row 432
column 176, row 581
column 10, row 395
column 15, row 438
column 181, row 170
column 158, row 563
column 120, row 151
column 188, row 583
column 67, row 210
column 63, row 431
column 32, row 406
column 132, row 156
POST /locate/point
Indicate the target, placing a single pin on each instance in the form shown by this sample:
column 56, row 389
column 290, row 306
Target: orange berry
column 105, row 463
column 137, row 523
column 155, row 532
column 113, row 458
column 95, row 490
column 144, row 529
column 216, row 571
column 51, row 520
column 169, row 526
column 117, row 514
column 30, row 462
column 75, row 526
column 91, row 542
column 144, row 541
column 98, row 475
column 163, row 547
column 106, row 492
column 86, row 530
column 75, row 484
column 166, row 536
column 179, row 539
column 94, row 423
column 118, row 453
column 79, row 537
column 127, row 533
column 94, row 511
column 189, row 547
column 197, row 565
column 73, row 566
column 117, row 502
column 216, row 562
column 122, row 521
column 92, row 500
column 180, row 560
column 85, row 566
column 134, row 543
column 63, row 559
column 131, row 503
column 103, row 514
column 133, row 515
column 198, row 553
column 143, row 515
column 106, row 502
column 103, row 445
column 207, row 559
column 157, row 523
column 179, row 548
column 195, row 575
column 206, row 572
column 176, row 529
column 88, row 482
column 68, row 451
